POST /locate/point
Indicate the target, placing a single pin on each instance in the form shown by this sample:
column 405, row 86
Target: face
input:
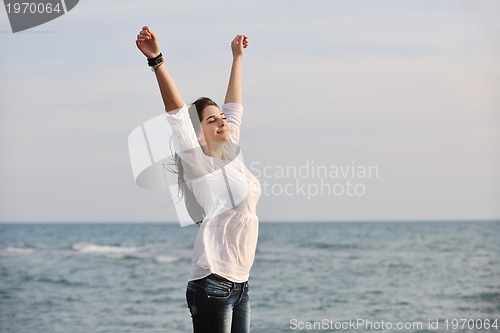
column 214, row 125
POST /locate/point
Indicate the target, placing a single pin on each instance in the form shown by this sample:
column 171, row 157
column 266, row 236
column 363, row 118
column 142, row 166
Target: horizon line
column 263, row 221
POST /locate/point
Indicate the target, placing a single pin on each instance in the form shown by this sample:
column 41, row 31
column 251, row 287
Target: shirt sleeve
column 234, row 114
column 184, row 136
column 186, row 145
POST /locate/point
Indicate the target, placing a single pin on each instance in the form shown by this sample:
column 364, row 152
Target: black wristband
column 156, row 60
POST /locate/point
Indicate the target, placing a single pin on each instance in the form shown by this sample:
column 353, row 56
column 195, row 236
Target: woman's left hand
column 239, row 43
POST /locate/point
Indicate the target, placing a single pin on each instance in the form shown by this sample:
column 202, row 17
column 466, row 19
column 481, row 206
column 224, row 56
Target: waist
column 218, row 278
column 223, row 279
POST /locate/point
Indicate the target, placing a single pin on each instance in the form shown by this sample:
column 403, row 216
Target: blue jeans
column 218, row 305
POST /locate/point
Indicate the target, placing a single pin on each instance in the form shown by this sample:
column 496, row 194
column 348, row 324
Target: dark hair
column 196, row 212
column 200, row 104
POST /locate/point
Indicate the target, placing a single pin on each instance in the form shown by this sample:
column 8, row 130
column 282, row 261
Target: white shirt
column 227, row 191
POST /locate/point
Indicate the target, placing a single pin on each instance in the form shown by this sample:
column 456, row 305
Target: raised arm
column 234, row 90
column 148, row 44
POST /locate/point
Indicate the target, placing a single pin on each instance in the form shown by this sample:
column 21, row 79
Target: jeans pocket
column 191, row 301
column 218, row 288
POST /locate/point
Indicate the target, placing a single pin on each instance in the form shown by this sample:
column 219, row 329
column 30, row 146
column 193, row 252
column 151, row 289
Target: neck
column 215, row 149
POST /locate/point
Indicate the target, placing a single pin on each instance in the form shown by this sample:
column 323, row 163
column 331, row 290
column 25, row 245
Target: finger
column 152, row 35
column 243, row 39
column 146, row 35
column 236, row 40
column 142, row 37
column 146, row 30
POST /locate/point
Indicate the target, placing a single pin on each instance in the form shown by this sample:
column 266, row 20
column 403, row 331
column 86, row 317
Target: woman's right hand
column 148, row 43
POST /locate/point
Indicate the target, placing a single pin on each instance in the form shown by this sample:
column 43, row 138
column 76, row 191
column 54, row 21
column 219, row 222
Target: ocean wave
column 486, row 296
column 166, row 259
column 21, row 249
column 105, row 249
column 332, row 246
column 58, row 281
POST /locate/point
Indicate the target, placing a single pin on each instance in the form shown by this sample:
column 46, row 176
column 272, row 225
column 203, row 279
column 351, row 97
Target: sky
column 354, row 110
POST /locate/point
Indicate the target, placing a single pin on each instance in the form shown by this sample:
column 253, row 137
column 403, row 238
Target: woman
column 211, row 171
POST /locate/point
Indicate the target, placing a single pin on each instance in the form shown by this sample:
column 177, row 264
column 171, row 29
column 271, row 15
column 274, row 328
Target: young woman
column 213, row 178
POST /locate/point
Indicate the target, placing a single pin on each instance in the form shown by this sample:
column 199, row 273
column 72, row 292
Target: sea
column 307, row 277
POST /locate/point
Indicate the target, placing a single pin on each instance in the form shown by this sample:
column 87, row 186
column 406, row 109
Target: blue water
column 132, row 277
